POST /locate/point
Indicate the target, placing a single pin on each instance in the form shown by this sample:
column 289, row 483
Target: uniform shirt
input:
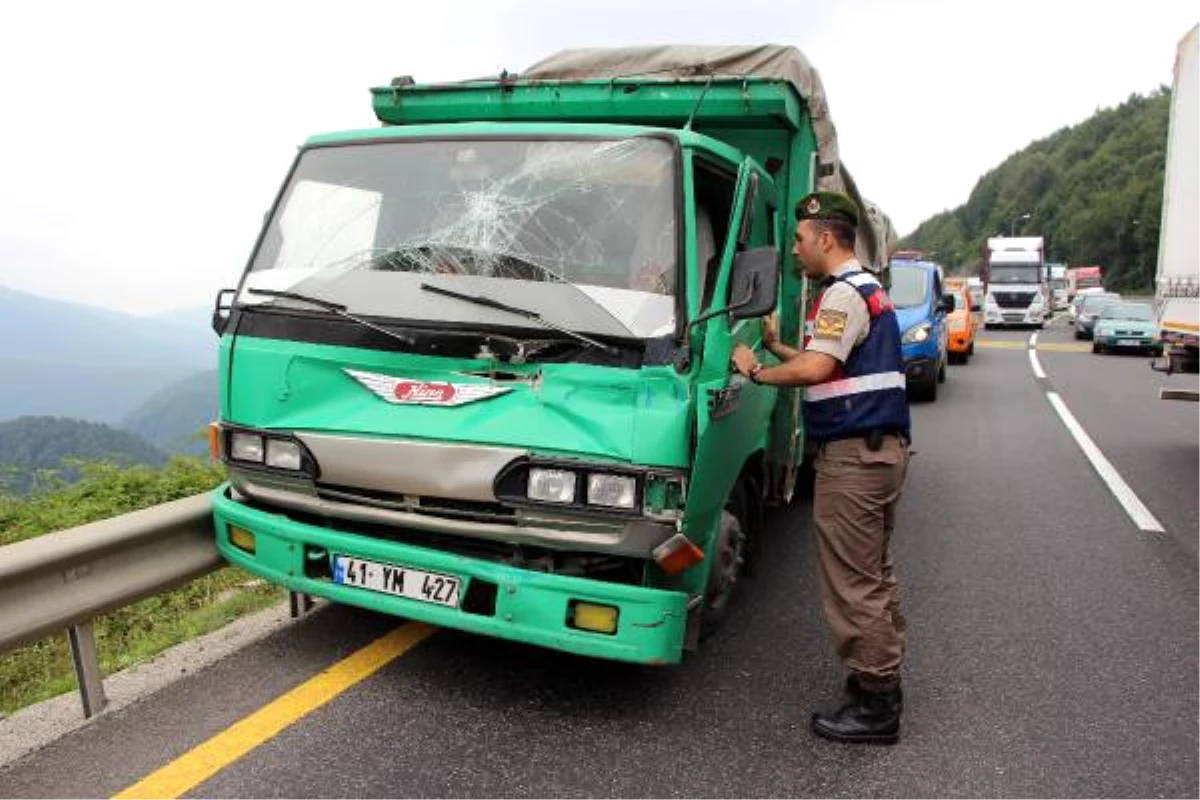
column 842, row 320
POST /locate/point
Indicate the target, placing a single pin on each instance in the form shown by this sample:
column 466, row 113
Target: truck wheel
column 727, row 565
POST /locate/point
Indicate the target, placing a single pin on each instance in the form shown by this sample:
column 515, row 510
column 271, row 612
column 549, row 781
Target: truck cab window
column 714, row 190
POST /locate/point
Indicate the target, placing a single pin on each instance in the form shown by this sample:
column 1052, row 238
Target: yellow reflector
column 241, row 538
column 589, row 617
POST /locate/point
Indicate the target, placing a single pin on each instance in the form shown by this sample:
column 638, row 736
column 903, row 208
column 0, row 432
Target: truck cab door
column 732, row 414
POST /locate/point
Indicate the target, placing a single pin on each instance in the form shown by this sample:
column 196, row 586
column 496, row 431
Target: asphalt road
column 1053, row 646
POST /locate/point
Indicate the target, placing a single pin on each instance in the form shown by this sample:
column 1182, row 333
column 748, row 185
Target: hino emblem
column 406, row 391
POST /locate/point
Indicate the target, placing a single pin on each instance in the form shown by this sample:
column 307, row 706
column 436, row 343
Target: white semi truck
column 1015, row 273
column 1177, row 290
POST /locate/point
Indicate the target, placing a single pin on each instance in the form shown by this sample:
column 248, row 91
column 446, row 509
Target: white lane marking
column 1033, row 359
column 1134, row 507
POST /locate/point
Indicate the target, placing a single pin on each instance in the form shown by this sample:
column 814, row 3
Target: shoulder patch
column 829, row 324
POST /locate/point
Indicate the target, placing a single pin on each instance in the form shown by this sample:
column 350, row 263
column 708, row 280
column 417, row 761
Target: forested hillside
column 33, row 445
column 1093, row 190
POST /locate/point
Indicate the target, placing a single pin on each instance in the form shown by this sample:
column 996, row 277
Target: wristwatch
column 753, row 373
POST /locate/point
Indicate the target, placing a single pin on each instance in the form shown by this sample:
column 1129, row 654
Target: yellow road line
column 1064, row 347
column 1054, row 347
column 206, row 759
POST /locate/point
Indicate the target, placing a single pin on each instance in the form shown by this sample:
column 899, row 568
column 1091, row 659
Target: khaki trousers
column 854, row 513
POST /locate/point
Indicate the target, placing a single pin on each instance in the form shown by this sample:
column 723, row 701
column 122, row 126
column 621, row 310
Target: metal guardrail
column 64, row 580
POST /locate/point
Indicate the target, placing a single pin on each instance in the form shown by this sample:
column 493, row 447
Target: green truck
column 477, row 370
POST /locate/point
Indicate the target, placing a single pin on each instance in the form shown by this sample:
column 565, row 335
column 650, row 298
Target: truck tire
column 727, row 565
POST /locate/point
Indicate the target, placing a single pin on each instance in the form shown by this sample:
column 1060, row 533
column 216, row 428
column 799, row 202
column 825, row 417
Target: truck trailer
column 1177, row 281
column 477, row 370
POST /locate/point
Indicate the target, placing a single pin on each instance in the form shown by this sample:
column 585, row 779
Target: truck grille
column 430, row 506
column 1013, row 299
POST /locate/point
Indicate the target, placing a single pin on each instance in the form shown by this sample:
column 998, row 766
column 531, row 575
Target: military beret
column 827, row 205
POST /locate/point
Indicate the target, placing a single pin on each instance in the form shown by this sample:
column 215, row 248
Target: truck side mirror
column 221, row 307
column 754, row 283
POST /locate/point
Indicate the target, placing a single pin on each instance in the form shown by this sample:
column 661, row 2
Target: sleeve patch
column 830, row 324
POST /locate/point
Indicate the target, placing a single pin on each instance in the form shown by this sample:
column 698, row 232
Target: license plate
column 415, row 584
column 1128, row 343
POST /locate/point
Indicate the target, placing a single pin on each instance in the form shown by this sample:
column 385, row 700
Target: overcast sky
column 142, row 142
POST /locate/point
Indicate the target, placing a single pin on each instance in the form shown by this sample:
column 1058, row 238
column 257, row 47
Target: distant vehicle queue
column 940, row 316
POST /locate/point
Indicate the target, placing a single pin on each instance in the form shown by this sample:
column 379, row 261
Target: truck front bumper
column 1014, row 316
column 496, row 599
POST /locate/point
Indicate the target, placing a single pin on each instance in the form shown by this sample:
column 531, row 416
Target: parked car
column 921, row 310
column 962, row 322
column 1089, row 309
column 1126, row 326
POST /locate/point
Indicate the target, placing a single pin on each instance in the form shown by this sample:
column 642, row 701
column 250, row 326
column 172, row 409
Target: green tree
column 1094, row 191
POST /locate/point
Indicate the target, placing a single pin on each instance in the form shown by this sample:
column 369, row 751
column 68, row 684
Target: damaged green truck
column 477, row 371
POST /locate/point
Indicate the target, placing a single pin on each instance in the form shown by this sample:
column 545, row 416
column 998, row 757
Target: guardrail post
column 87, row 667
column 300, row 603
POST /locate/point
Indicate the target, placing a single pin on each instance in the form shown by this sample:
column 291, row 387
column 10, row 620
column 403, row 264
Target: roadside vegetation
column 1094, row 190
column 129, row 635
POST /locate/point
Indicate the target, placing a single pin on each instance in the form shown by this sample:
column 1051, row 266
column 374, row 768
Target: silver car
column 1089, row 309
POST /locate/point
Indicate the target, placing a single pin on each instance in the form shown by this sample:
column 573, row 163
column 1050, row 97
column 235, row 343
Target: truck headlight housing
column 603, row 488
column 269, row 449
column 917, row 333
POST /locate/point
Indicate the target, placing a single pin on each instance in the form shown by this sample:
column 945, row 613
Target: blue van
column 921, row 308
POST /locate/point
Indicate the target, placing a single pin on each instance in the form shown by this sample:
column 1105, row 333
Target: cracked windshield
column 582, row 232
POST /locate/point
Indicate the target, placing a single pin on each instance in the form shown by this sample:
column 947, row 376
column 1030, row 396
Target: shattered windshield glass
column 576, row 230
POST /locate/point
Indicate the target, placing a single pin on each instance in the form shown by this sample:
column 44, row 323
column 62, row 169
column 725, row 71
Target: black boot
column 872, row 718
column 854, row 691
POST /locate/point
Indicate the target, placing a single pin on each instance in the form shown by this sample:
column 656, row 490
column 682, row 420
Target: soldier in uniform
column 856, row 412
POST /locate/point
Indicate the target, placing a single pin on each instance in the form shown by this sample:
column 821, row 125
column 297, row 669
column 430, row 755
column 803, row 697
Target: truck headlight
column 614, row 491
column 283, row 454
column 246, row 447
column 917, row 333
column 551, row 485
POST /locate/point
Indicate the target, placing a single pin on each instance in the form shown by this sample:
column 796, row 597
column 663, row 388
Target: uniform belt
column 873, row 438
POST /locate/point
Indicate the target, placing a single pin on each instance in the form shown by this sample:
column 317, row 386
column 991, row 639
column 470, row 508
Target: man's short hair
column 843, row 232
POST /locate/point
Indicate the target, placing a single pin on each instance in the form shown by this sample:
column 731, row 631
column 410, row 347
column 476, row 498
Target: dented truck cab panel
column 460, row 382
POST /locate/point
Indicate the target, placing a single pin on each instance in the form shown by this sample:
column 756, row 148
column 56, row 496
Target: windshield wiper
column 336, row 308
column 488, row 302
